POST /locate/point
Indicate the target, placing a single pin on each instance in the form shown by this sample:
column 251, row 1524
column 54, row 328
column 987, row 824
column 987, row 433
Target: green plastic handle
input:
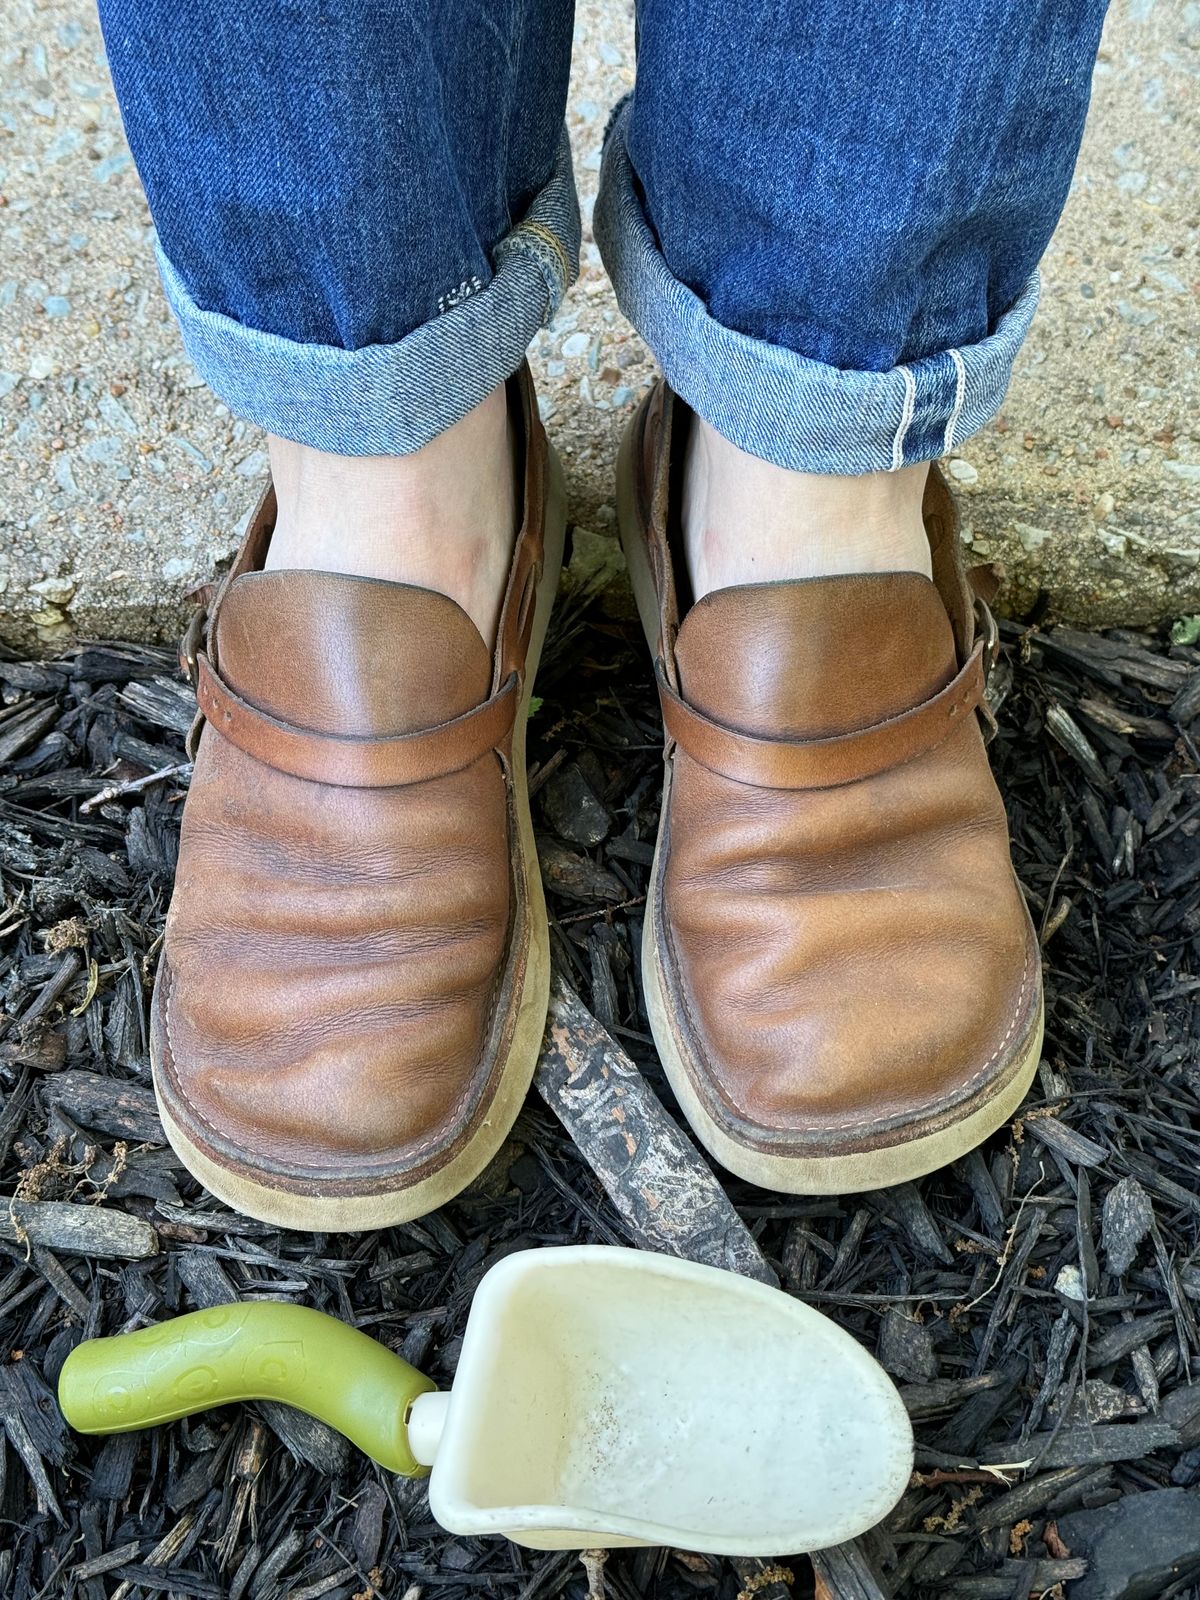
column 254, row 1350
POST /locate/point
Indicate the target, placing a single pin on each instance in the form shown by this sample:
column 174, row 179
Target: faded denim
column 825, row 219
column 825, row 216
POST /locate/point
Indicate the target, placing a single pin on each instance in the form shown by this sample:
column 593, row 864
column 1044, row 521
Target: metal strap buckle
column 986, row 623
column 191, row 643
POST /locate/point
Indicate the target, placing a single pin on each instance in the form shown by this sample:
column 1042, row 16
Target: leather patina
column 839, row 963
column 348, row 956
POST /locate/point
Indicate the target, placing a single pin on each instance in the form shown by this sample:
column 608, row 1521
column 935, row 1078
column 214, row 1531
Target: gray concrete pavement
column 124, row 481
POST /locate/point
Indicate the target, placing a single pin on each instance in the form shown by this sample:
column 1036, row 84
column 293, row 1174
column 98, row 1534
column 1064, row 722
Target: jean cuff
column 772, row 402
column 390, row 399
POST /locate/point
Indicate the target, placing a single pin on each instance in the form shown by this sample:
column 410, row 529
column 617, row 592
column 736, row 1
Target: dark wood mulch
column 1038, row 1303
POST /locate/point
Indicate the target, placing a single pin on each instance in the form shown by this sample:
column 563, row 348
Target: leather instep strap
column 827, row 762
column 352, row 763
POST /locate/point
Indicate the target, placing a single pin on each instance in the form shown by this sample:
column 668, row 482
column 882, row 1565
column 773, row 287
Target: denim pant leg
column 365, row 210
column 825, row 216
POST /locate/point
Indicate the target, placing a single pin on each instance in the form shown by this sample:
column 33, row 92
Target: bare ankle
column 748, row 521
column 441, row 518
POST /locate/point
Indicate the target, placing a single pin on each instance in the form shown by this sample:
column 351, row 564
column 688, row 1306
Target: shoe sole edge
column 849, row 1172
column 351, row 1213
column 836, row 1173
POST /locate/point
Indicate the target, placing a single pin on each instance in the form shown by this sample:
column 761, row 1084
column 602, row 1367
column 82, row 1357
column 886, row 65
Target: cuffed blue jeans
column 823, row 216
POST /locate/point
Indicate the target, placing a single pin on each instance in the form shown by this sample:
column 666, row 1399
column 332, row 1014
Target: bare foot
column 441, row 518
column 748, row 521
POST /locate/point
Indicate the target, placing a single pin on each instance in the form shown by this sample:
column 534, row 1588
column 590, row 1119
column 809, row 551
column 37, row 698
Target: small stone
column 66, row 144
column 962, row 471
column 576, row 345
column 115, row 414
column 197, row 457
column 64, row 477
column 1070, row 1284
column 1032, row 539
column 110, row 166
column 58, row 591
column 52, row 628
column 1169, row 281
column 104, row 450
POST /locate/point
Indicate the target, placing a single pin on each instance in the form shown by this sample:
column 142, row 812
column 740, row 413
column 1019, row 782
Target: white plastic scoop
column 613, row 1397
column 603, row 1397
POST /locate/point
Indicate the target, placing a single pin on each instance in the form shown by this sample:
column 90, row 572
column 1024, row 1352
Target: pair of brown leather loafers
column 839, row 969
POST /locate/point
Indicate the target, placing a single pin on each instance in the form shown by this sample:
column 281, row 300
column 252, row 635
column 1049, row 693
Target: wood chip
column 96, row 1231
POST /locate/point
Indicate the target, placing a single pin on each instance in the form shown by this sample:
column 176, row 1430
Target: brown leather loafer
column 355, row 973
column 840, row 972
